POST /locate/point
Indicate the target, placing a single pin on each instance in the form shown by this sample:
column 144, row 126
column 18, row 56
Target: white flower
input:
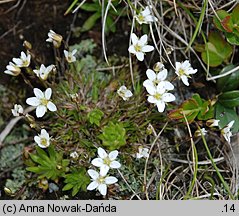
column 106, row 161
column 124, row 93
column 41, row 101
column 199, row 131
column 43, row 139
column 158, row 66
column 43, row 72
column 17, row 110
column 212, row 123
column 183, row 70
column 154, row 79
column 74, row 155
column 54, row 38
column 12, row 69
column 226, row 131
column 70, row 55
column 139, row 46
column 159, row 96
column 143, row 152
column 23, row 61
column 145, row 16
column 100, row 181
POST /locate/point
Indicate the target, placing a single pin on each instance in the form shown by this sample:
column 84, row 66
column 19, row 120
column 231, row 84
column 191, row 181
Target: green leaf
column 113, row 136
column 232, row 38
column 90, row 22
column 229, row 82
column 95, row 116
column 90, row 7
column 225, row 115
column 192, row 108
column 235, row 15
column 218, row 49
column 77, row 180
column 49, row 164
column 229, row 99
column 222, row 14
column 110, row 25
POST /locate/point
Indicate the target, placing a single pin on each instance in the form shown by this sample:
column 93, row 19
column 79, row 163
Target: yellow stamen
column 44, row 101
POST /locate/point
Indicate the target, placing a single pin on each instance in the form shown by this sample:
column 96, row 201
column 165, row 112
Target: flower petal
column 152, row 99
column 93, row 174
column 102, row 153
column 110, row 180
column 93, row 185
column 37, row 139
column 168, row 85
column 146, row 11
column 115, row 165
column 102, row 189
column 33, row 101
column 132, row 49
column 38, row 93
column 143, row 40
column 51, row 106
column 151, row 89
column 185, row 80
column 134, row 38
column 147, row 48
column 162, row 75
column 168, row 97
column 113, row 155
column 160, row 106
column 140, row 56
column 151, row 74
column 48, row 93
column 40, row 111
column 104, row 169
column 148, row 83
column 98, row 162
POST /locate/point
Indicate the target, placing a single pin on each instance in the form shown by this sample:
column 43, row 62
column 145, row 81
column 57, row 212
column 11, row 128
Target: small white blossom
column 154, row 79
column 158, row 66
column 212, row 123
column 226, row 131
column 146, row 16
column 143, row 152
column 42, row 101
column 70, row 56
column 54, row 38
column 159, row 96
column 23, row 61
column 43, row 72
column 106, row 161
column 100, row 181
column 74, row 155
column 199, row 131
column 183, row 70
column 139, row 46
column 17, row 110
column 124, row 93
column 12, row 69
column 43, row 139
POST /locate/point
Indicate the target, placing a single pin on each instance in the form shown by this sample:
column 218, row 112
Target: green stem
column 215, row 167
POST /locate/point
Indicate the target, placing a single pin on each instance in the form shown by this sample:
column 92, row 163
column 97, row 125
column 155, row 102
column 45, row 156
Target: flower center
column 141, row 17
column 181, row 72
column 158, row 96
column 44, row 141
column 107, row 161
column 44, row 101
column 101, row 180
column 137, row 48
